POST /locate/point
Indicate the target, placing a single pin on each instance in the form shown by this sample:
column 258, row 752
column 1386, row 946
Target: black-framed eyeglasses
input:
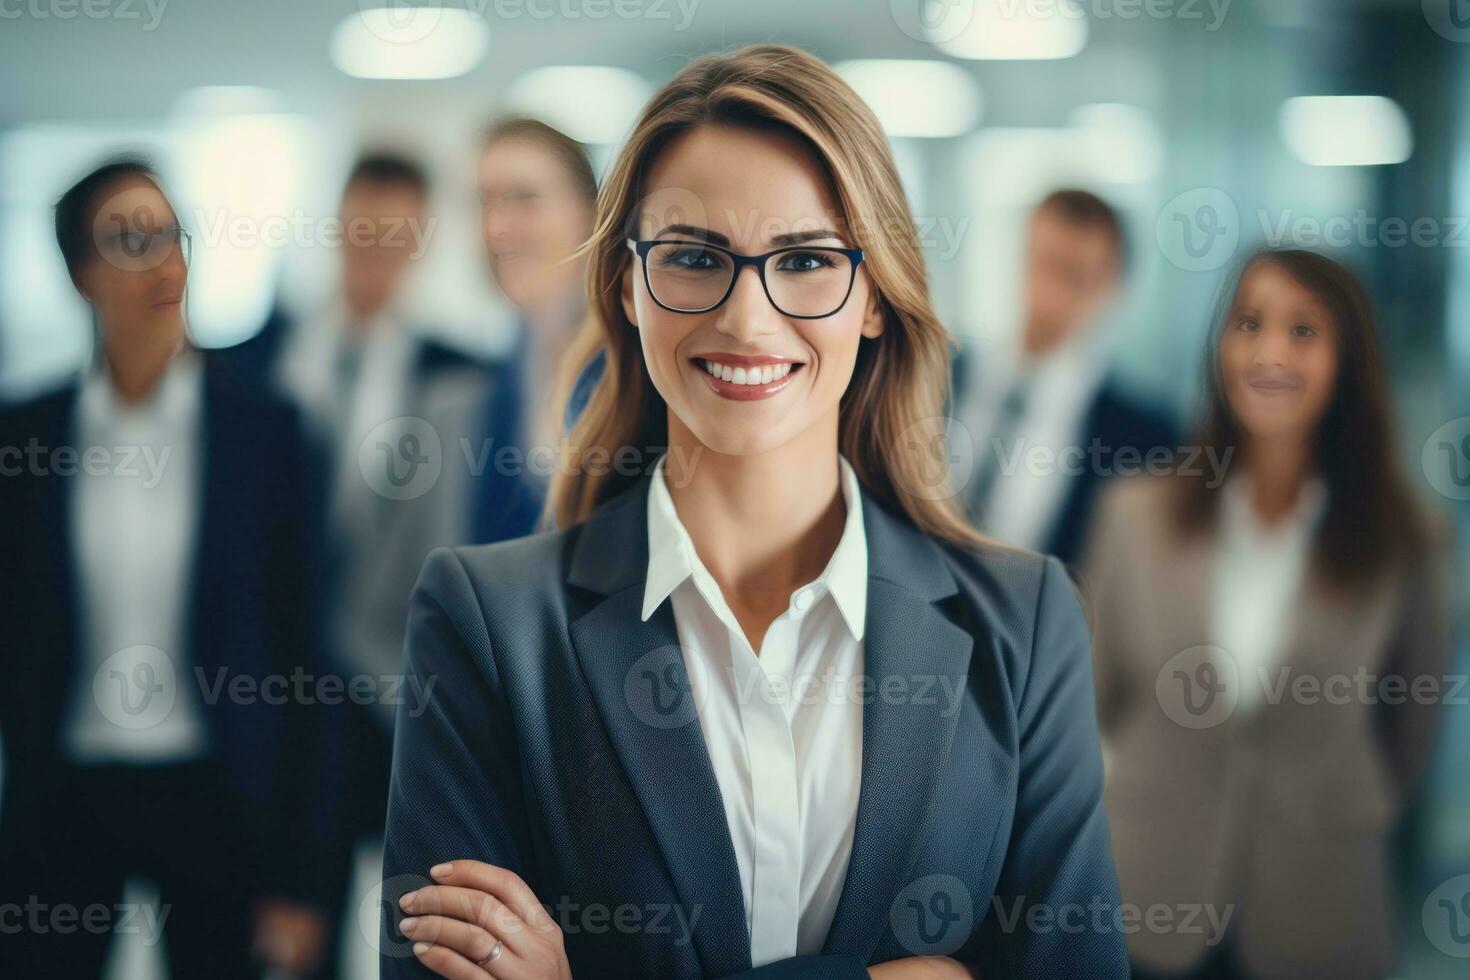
column 807, row 282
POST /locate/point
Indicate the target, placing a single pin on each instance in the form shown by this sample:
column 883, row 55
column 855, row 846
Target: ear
column 629, row 309
column 79, row 279
column 873, row 321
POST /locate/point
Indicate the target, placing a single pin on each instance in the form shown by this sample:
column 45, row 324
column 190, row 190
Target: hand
column 457, row 924
column 923, row 968
column 289, row 937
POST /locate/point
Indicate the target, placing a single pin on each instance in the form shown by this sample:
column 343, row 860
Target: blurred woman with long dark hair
column 161, row 548
column 1255, row 639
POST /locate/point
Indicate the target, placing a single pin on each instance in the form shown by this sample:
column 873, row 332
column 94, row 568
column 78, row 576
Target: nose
column 748, row 314
column 496, row 227
column 174, row 268
column 1271, row 348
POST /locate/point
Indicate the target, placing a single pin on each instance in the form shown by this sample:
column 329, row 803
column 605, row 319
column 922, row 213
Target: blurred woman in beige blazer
column 1270, row 649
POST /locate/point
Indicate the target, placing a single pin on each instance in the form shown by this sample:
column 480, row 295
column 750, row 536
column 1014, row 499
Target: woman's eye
column 804, row 261
column 1302, row 330
column 1248, row 324
column 691, row 258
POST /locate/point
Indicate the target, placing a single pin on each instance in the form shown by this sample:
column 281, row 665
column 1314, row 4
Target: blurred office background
column 1212, row 125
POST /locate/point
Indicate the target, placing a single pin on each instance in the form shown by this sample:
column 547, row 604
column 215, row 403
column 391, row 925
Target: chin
column 746, row 438
column 167, row 322
column 1272, row 425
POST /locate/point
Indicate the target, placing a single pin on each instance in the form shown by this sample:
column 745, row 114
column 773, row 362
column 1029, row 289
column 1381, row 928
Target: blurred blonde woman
column 763, row 704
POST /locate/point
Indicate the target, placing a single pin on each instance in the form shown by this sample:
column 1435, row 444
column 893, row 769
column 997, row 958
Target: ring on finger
column 495, row 952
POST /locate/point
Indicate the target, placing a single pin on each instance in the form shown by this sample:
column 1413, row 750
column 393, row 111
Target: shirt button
column 802, row 601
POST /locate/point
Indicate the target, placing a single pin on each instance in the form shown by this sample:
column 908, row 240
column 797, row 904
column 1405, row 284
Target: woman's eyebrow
column 800, row 237
column 776, row 241
column 703, row 234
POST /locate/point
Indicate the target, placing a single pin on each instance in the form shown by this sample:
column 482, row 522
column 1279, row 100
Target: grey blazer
column 1281, row 816
column 559, row 743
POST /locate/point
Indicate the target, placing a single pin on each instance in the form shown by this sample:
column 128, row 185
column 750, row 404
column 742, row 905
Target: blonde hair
column 893, row 409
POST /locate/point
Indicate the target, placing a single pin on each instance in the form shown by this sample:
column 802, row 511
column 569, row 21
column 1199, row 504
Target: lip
column 1273, row 387
column 745, row 393
column 169, row 302
column 745, row 360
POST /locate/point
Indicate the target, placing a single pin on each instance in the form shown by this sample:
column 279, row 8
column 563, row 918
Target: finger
column 470, row 941
column 451, row 964
column 503, row 883
column 472, row 906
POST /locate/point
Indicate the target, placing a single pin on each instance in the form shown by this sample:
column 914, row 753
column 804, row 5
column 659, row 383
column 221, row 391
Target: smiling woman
column 711, row 699
column 1228, row 632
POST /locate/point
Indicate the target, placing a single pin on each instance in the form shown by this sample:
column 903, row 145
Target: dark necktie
column 997, row 449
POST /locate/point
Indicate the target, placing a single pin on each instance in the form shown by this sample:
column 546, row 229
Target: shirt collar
column 1238, row 511
column 672, row 558
column 174, row 402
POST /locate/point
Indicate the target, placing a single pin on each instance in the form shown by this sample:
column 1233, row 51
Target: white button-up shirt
column 784, row 729
column 1258, row 572
column 135, row 525
column 1027, row 498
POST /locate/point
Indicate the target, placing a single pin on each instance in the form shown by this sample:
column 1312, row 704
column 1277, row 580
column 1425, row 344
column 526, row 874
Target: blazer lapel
column 636, row 674
column 56, row 495
column 635, row 671
column 906, row 741
column 218, row 482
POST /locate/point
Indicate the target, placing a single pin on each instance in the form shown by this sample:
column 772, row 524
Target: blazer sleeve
column 296, row 559
column 1055, row 908
column 1104, row 574
column 455, row 776
column 1419, row 649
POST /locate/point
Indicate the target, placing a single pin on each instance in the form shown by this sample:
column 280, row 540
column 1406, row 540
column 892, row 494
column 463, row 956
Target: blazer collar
column 635, row 673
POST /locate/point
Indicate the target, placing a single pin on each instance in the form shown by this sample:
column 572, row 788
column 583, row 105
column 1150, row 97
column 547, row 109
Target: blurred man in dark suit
column 1051, row 423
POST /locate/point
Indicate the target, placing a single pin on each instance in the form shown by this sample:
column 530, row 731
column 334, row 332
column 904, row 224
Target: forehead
column 748, row 185
column 519, row 159
column 1052, row 230
column 133, row 200
column 1267, row 285
column 382, row 196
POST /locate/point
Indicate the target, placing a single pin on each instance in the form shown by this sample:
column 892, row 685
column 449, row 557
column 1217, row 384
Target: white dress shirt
column 784, row 729
column 135, row 526
column 1256, row 582
column 345, row 410
column 1025, row 500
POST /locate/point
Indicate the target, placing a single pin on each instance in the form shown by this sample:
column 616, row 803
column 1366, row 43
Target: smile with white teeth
column 748, row 376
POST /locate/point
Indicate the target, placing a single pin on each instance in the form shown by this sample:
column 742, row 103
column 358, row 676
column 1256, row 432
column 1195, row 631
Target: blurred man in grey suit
column 391, row 411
